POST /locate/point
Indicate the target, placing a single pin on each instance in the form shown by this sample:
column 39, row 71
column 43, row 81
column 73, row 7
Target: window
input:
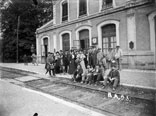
column 64, row 11
column 108, row 37
column 65, row 42
column 107, row 4
column 82, row 7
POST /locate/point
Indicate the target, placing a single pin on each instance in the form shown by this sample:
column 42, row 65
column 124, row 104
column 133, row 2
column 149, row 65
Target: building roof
column 55, row 1
column 48, row 24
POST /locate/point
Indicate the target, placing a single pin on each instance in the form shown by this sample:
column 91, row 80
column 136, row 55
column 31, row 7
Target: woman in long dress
column 72, row 64
column 57, row 60
column 81, row 57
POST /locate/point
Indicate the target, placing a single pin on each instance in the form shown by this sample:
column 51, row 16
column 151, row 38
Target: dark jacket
column 65, row 60
column 50, row 60
column 79, row 71
column 114, row 74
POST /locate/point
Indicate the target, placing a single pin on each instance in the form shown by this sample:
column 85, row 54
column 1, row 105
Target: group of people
column 33, row 59
column 88, row 67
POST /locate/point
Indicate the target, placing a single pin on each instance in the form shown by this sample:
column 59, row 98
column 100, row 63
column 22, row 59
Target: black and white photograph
column 77, row 57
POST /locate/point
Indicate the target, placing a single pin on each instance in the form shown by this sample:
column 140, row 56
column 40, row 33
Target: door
column 155, row 36
column 82, row 43
column 45, row 41
column 84, row 39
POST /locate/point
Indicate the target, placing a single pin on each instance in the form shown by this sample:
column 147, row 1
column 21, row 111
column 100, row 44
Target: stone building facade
column 103, row 23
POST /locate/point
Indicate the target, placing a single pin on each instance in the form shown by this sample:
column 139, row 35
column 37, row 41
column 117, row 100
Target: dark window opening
column 82, row 7
column 84, row 39
column 107, row 4
column 64, row 11
column 45, row 52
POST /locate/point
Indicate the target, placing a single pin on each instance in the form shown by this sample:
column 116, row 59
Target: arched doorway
column 155, row 39
column 155, row 32
column 84, row 38
column 45, row 44
column 108, row 37
column 65, row 42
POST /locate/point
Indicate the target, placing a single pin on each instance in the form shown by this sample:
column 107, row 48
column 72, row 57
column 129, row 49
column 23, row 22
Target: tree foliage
column 31, row 17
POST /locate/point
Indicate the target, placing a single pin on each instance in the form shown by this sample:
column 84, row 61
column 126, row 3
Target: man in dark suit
column 66, row 61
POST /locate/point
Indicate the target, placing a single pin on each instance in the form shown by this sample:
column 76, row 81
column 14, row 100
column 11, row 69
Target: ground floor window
column 108, row 37
column 65, row 42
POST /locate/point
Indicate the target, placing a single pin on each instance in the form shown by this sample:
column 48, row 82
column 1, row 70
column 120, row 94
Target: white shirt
column 118, row 53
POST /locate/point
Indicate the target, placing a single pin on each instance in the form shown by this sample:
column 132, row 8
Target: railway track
column 123, row 101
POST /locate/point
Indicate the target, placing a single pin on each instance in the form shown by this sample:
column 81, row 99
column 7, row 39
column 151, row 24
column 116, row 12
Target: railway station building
column 131, row 24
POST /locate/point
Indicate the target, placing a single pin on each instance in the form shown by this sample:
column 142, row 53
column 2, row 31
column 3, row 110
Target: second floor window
column 64, row 11
column 82, row 7
column 107, row 4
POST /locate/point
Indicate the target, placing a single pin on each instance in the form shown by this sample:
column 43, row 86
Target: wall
column 93, row 8
column 72, row 9
column 142, row 27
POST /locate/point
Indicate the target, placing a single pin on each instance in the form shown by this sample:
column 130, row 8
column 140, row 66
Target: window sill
column 84, row 15
column 64, row 21
column 107, row 8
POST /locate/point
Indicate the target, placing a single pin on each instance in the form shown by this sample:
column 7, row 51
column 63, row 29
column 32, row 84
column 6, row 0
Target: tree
column 31, row 17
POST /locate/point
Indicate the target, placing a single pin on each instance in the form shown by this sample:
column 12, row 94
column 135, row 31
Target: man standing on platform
column 90, row 53
column 94, row 56
column 110, row 57
column 100, row 55
column 118, row 56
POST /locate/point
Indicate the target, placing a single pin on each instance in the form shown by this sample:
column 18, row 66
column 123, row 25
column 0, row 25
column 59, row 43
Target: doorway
column 84, row 39
column 45, row 43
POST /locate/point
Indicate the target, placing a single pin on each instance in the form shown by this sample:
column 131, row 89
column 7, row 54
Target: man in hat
column 118, row 56
column 100, row 55
column 110, row 56
column 94, row 56
column 113, row 76
column 50, row 64
column 36, row 114
column 90, row 53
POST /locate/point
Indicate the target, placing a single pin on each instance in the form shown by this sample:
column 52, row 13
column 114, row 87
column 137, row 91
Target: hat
column 113, row 63
column 36, row 114
column 94, row 46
